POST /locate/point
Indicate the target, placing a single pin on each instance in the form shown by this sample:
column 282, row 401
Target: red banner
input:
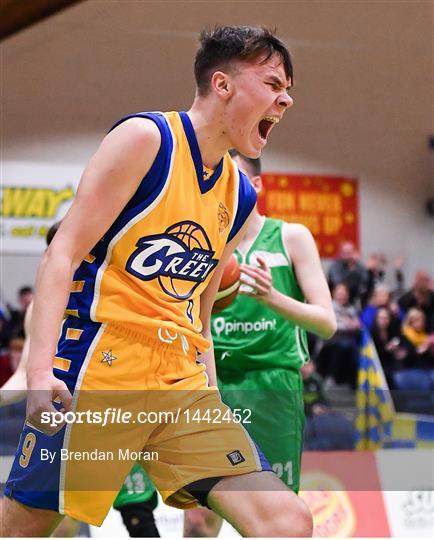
column 327, row 205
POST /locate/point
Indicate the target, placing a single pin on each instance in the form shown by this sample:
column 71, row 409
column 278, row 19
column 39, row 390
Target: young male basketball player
column 159, row 210
column 260, row 340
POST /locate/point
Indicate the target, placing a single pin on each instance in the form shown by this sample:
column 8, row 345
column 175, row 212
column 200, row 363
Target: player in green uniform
column 260, row 341
column 136, row 501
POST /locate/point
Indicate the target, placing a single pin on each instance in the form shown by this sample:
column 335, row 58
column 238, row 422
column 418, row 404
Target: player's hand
column 42, row 390
column 257, row 280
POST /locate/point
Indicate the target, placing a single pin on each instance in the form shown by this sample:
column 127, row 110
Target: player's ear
column 221, row 84
column 256, row 182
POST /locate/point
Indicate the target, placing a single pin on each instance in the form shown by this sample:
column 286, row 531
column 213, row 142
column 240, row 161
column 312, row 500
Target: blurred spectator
column 381, row 297
column 339, row 356
column 420, row 296
column 399, row 277
column 15, row 323
column 349, row 270
column 314, row 399
column 9, row 358
column 418, row 343
column 16, row 345
column 325, row 429
column 387, row 339
column 3, row 330
column 5, row 366
column 376, row 266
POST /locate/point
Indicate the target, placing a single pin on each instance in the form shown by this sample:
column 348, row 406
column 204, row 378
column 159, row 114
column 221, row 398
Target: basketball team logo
column 223, row 217
column 181, row 258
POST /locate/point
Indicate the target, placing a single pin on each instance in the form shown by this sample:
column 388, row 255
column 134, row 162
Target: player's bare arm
column 208, row 297
column 317, row 314
column 109, row 181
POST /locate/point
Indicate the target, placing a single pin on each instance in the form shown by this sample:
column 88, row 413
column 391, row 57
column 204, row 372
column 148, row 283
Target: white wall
column 20, row 256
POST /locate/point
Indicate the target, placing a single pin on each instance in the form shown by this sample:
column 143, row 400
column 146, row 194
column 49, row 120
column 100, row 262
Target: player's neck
column 255, row 226
column 209, row 134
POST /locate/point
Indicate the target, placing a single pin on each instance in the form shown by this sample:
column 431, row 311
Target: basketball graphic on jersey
column 180, row 258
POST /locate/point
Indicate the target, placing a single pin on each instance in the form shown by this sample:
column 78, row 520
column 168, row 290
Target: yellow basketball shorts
column 136, row 397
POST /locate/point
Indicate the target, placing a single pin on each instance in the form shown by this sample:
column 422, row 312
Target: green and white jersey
column 249, row 335
column 137, row 488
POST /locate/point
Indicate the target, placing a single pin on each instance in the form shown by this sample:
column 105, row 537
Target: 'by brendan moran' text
column 122, row 454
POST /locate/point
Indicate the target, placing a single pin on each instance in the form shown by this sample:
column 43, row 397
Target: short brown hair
column 227, row 43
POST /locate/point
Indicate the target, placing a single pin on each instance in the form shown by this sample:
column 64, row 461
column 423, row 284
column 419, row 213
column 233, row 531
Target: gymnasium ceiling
column 15, row 15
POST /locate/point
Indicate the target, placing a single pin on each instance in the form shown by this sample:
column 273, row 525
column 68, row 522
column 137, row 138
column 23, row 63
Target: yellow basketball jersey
column 154, row 262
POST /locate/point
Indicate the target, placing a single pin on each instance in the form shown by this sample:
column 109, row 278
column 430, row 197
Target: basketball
column 229, row 285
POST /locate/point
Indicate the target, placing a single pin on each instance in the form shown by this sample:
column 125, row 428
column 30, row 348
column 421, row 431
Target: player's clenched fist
column 43, row 389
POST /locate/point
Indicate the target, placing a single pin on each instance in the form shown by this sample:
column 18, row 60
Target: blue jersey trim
column 265, row 465
column 75, row 350
column 49, row 500
column 149, row 189
column 246, row 203
column 204, row 186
